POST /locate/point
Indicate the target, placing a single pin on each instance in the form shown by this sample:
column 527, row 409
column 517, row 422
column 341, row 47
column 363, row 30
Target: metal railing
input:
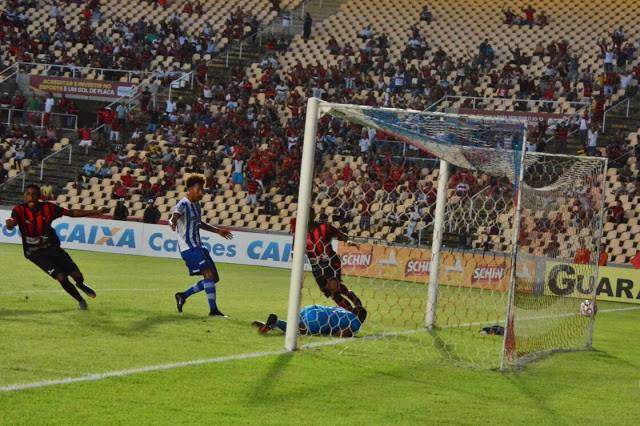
column 23, row 174
column 178, row 83
column 40, row 119
column 54, row 154
column 4, row 77
column 129, row 98
column 604, row 116
column 77, row 71
column 229, row 47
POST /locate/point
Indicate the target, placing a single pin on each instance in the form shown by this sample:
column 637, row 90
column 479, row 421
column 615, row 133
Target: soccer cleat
column 271, row 322
column 257, row 324
column 82, row 305
column 180, row 301
column 87, row 290
column 216, row 313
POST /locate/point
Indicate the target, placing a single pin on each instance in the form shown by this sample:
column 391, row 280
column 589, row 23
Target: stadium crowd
column 254, row 117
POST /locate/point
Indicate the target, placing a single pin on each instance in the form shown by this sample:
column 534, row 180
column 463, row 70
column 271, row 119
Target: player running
column 320, row 320
column 41, row 244
column 187, row 220
column 325, row 262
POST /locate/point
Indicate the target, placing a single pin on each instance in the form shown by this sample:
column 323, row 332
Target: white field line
column 93, row 377
column 62, row 291
column 121, row 373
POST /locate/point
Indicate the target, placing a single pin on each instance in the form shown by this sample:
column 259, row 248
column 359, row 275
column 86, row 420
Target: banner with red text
column 78, row 87
column 457, row 268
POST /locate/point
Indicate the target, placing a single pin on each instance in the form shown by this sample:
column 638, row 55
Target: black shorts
column 54, row 261
column 324, row 272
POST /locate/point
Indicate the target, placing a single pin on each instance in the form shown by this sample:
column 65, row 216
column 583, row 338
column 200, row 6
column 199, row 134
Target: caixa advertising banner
column 134, row 238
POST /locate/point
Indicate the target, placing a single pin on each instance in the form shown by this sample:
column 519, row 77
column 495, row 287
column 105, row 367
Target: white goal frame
column 315, row 109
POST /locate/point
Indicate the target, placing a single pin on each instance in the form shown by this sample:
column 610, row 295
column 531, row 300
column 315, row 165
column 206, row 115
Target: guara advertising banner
column 457, row 268
column 135, row 238
column 614, row 284
column 78, row 87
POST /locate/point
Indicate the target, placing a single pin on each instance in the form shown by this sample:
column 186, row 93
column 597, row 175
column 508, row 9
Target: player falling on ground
column 320, row 320
column 325, row 262
column 187, row 220
column 41, row 243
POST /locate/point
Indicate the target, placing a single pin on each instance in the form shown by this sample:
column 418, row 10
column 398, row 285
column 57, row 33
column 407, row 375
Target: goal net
column 441, row 257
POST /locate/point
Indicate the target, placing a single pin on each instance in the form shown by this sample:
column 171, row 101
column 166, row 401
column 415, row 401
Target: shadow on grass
column 7, row 313
column 447, row 352
column 607, row 356
column 265, row 386
column 527, row 391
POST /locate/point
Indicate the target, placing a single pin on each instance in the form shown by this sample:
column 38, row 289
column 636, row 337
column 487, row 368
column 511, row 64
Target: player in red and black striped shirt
column 41, row 243
column 325, row 262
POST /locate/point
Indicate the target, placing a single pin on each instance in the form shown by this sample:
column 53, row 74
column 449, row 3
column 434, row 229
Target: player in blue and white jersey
column 320, row 320
column 187, row 221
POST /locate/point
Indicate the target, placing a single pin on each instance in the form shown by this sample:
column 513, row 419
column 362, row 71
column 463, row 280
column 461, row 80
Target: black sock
column 70, row 288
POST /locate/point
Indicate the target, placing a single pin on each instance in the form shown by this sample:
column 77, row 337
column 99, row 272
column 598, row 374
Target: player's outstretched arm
column 173, row 221
column 344, row 237
column 87, row 213
column 216, row 230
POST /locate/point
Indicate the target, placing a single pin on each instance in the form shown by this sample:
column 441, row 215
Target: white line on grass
column 93, row 377
column 121, row 373
column 62, row 291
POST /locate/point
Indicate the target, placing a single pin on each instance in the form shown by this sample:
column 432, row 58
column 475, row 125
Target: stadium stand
column 399, row 54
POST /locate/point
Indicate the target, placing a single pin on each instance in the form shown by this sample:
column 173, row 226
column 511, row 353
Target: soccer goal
column 483, row 257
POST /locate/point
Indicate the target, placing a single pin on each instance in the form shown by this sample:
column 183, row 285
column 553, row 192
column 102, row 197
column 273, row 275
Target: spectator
column 269, row 208
column 583, row 255
column 46, row 192
column 308, row 22
column 414, row 218
column 119, row 191
column 151, row 213
column 79, row 182
column 529, row 14
column 121, row 211
column 604, row 257
column 365, row 214
column 85, row 137
column 252, row 192
column 89, row 169
column 593, row 140
column 616, row 213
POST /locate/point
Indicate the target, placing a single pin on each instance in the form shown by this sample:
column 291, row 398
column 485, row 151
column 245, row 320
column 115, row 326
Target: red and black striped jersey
column 35, row 225
column 252, row 187
column 319, row 236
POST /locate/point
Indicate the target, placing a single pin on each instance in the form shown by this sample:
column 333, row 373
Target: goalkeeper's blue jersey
column 328, row 319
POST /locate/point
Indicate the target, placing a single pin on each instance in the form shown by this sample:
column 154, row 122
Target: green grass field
column 133, row 324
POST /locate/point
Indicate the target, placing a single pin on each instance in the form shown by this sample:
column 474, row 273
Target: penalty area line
column 95, row 377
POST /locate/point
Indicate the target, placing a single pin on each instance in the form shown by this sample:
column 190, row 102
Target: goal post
column 300, row 237
column 438, row 227
column 529, row 216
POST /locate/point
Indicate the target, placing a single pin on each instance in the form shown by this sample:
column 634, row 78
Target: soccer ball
column 587, row 308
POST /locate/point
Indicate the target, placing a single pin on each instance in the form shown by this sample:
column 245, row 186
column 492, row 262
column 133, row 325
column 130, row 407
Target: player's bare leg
column 73, row 292
column 79, row 279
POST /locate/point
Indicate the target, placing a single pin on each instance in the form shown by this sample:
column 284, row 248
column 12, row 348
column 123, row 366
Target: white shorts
column 251, row 200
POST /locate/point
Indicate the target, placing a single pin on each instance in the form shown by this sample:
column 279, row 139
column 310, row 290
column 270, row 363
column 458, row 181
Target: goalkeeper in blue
column 187, row 221
column 320, row 320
